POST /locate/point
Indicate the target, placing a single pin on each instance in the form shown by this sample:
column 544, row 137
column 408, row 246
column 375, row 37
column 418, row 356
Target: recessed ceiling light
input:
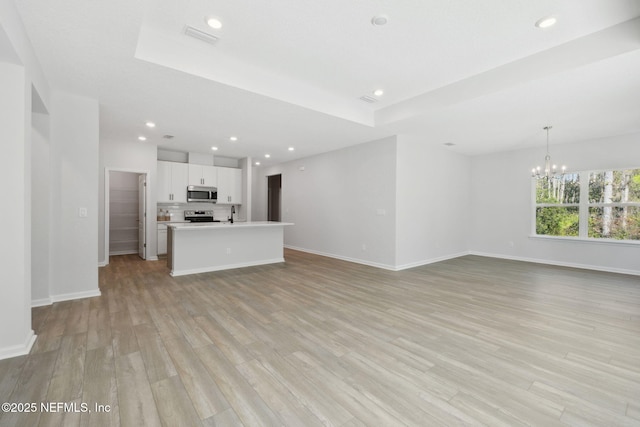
column 167, row 136
column 213, row 22
column 267, row 155
column 233, row 138
column 150, row 124
column 546, row 22
column 257, row 163
column 214, row 148
column 291, row 148
column 379, row 20
column 449, row 144
column 378, row 92
column 142, row 138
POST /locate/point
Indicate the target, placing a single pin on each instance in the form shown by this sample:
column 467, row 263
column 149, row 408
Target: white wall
column 502, row 202
column 11, row 24
column 16, row 335
column 74, row 183
column 132, row 157
column 40, row 210
column 433, row 207
column 335, row 202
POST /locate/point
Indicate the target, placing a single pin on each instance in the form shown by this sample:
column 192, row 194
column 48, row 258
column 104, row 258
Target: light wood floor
column 317, row 341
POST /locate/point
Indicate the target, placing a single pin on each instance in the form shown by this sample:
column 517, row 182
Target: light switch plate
column 82, row 212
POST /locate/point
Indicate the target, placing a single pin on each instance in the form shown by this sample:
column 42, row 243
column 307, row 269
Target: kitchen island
column 202, row 247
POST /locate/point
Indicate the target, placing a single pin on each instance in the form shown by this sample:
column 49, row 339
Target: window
column 558, row 206
column 593, row 204
column 614, row 204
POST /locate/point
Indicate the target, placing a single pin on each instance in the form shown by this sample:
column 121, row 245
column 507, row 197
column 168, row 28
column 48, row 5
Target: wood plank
column 100, row 388
column 176, row 408
column 135, row 398
column 67, row 380
column 157, row 361
column 204, row 392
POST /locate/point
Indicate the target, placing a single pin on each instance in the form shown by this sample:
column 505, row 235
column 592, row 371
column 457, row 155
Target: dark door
column 274, row 186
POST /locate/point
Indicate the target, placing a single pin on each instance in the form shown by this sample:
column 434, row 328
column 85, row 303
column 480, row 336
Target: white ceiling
column 291, row 72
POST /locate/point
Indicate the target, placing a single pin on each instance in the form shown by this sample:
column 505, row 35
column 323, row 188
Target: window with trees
column 593, row 204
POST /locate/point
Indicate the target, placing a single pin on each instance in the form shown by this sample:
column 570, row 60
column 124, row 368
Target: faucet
column 233, row 210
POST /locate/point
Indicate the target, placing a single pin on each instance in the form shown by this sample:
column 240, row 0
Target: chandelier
column 550, row 170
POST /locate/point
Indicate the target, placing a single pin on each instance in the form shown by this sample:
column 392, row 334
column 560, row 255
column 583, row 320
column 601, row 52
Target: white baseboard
column 430, row 261
column 41, row 302
column 152, row 258
column 559, row 263
column 376, row 264
column 64, row 297
column 343, row 258
column 460, row 254
column 19, row 350
column 130, row 252
column 75, row 295
column 102, row 264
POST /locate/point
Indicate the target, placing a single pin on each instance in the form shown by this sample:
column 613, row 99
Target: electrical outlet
column 82, row 212
column 364, row 247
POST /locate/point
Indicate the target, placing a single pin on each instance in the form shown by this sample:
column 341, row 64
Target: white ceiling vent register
column 201, row 35
column 369, row 99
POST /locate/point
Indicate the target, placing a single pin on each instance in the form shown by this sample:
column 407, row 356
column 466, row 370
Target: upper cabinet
column 229, row 185
column 202, row 175
column 174, row 177
column 172, row 182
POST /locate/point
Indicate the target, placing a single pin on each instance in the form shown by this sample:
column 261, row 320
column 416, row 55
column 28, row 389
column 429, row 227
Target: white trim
column 559, row 263
column 75, row 295
column 127, row 252
column 152, row 258
column 41, row 302
column 19, row 350
column 460, row 254
column 343, row 258
column 379, row 265
column 102, row 264
column 590, row 240
column 430, row 261
column 225, row 267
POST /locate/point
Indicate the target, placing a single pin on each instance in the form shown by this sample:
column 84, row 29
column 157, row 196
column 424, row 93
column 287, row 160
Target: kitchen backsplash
column 221, row 212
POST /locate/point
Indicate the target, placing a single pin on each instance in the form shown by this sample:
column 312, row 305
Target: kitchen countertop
column 220, row 225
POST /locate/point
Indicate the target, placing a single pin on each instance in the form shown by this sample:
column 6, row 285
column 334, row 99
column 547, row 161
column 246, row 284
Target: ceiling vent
column 368, row 99
column 201, row 35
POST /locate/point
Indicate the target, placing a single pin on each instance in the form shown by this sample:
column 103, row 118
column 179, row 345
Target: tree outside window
column 557, row 205
column 609, row 205
column 614, row 204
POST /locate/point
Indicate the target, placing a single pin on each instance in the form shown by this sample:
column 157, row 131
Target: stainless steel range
column 198, row 216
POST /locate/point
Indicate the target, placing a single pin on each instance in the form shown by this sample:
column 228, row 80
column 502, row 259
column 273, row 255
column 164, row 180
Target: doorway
column 125, row 216
column 274, row 187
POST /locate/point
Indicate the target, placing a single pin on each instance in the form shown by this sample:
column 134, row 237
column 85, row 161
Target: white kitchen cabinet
column 162, row 239
column 172, row 182
column 202, row 175
column 229, row 185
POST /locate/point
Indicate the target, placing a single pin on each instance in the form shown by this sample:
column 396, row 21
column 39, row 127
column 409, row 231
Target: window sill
column 613, row 242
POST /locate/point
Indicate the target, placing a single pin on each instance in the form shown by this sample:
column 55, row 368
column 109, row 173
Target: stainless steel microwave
column 202, row 194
